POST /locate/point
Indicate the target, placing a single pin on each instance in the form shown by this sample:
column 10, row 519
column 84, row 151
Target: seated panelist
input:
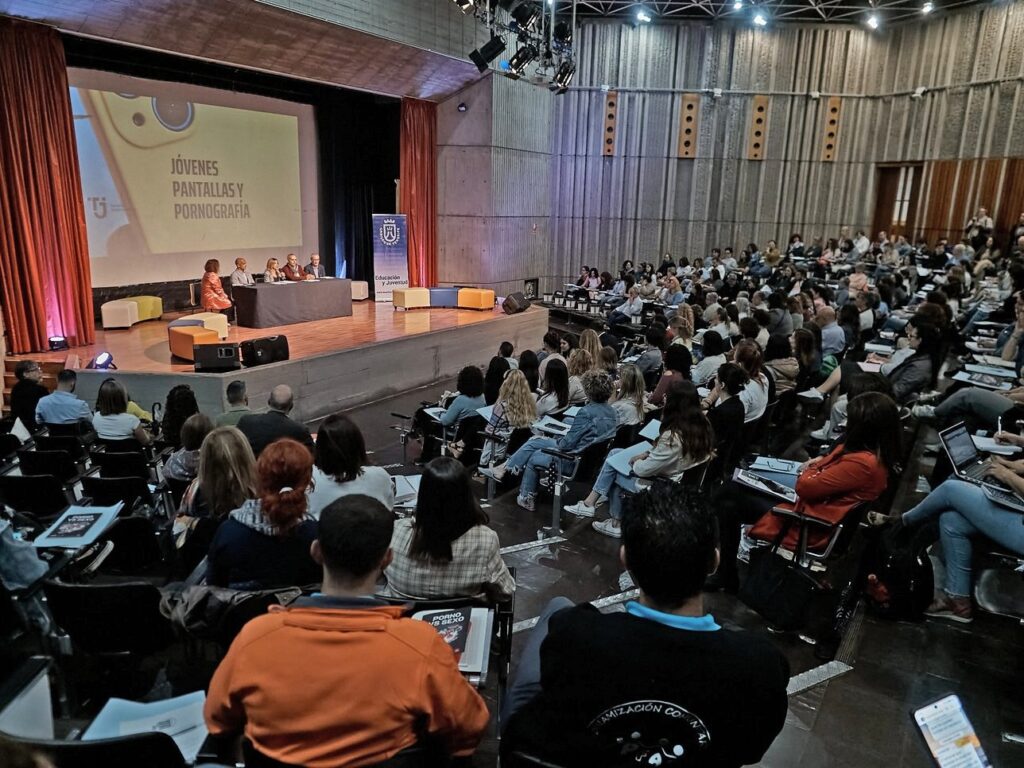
column 315, row 268
column 273, row 272
column 213, row 297
column 241, row 275
column 292, row 271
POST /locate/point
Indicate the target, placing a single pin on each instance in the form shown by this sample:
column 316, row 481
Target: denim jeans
column 529, row 461
column 611, row 484
column 979, row 408
column 964, row 512
column 526, row 684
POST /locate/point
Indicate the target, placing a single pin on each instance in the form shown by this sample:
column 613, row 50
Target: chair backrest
column 694, row 476
column 136, row 547
column 591, row 459
column 71, row 444
column 75, row 429
column 56, row 463
column 106, row 491
column 468, row 431
column 39, row 495
column 410, row 757
column 9, row 444
column 152, row 750
column 177, row 489
column 121, row 463
column 626, row 435
column 847, row 529
column 110, row 618
column 517, row 439
column 122, row 445
column 195, row 290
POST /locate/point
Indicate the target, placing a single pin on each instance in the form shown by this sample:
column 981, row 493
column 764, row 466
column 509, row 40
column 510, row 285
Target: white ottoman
column 215, row 321
column 119, row 314
column 360, row 290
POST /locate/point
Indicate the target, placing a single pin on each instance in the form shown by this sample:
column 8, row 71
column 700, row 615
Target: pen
column 999, row 424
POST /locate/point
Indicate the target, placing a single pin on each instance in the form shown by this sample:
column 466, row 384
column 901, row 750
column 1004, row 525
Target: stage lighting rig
column 466, row 6
column 487, row 53
column 520, row 60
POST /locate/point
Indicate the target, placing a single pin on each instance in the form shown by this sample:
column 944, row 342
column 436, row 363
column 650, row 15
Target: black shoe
column 720, row 582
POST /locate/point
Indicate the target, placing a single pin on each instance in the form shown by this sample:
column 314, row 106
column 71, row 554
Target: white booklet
column 870, row 367
column 620, row 461
column 879, row 349
column 772, row 464
column 78, row 527
column 435, row 412
column 571, row 411
column 181, row 718
column 994, row 360
column 980, row 349
column 20, row 432
column 764, row 485
column 989, row 445
column 992, row 370
column 983, row 380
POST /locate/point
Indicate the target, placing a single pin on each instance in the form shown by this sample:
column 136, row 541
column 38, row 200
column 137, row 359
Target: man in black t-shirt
column 661, row 683
column 27, row 392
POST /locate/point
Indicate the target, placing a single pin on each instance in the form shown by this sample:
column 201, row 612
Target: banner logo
column 389, row 232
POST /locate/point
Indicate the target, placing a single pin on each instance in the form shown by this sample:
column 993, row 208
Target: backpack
column 897, row 573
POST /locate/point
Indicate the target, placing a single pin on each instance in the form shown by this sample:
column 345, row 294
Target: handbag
column 778, row 589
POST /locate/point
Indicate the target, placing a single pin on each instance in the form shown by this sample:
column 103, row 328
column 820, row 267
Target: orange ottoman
column 182, row 338
column 476, row 298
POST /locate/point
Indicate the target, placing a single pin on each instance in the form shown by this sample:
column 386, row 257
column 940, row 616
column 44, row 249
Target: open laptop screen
column 959, row 445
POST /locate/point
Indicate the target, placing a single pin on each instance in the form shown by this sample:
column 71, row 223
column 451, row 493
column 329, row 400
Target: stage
column 334, row 364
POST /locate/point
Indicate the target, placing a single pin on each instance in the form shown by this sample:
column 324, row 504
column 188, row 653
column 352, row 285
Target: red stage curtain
column 45, row 282
column 418, row 189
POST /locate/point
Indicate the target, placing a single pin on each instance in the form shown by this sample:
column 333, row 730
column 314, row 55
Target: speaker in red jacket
column 269, row 349
column 515, row 302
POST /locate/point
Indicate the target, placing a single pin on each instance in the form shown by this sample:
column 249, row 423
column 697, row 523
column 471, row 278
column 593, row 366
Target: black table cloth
column 267, row 305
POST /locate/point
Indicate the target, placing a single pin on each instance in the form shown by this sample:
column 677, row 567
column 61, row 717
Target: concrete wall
column 555, row 202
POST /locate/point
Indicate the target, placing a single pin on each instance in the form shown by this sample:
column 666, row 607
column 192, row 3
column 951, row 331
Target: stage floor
column 143, row 348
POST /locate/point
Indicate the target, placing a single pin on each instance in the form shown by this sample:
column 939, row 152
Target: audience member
column 265, row 543
column 446, row 549
column 238, row 405
column 495, row 375
column 506, row 350
column 713, row 348
column 580, row 363
column 339, row 678
column 530, row 366
column 575, row 702
column 264, row 428
column 677, row 369
column 181, row 404
column 629, row 399
column 515, row 409
column 61, row 407
column 651, row 359
column 27, row 392
column 112, row 420
column 183, row 464
column 342, row 468
column 554, row 394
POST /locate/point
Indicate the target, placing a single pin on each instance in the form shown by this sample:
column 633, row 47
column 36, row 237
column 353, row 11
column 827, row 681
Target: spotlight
column 462, row 106
column 57, row 343
column 761, row 20
column 520, row 60
column 643, row 16
column 927, row 8
column 563, row 77
column 466, row 6
column 873, row 21
column 738, row 5
column 487, row 53
column 562, row 37
column 102, row 362
column 526, row 15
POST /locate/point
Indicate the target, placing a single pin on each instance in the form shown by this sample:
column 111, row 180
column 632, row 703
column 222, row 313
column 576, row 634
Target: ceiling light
column 526, row 15
column 561, row 38
column 519, row 61
column 737, row 5
column 643, row 16
column 487, row 53
column 761, row 20
column 466, row 6
column 927, row 8
column 563, row 77
column 873, row 21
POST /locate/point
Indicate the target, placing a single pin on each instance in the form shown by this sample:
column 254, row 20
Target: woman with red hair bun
column 265, row 543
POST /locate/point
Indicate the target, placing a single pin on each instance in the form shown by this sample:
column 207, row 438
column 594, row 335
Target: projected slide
column 170, row 179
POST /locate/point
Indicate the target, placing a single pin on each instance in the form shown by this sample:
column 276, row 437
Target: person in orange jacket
column 339, row 677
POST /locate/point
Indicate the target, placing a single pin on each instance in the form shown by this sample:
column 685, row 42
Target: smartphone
column 948, row 734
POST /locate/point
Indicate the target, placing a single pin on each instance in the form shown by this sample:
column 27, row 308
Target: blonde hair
column 520, row 409
column 591, row 342
column 227, row 470
column 271, row 264
column 682, row 323
column 632, row 387
column 580, row 361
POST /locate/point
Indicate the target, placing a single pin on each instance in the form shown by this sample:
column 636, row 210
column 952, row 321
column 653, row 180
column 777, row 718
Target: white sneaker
column 581, row 509
column 820, row 434
column 811, row 394
column 496, row 473
column 608, row 528
column 923, row 411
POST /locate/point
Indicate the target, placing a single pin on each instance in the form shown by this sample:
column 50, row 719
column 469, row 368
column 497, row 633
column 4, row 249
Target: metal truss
column 820, row 11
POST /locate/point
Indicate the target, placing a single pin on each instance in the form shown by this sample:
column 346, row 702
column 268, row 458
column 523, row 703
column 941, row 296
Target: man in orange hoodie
column 340, row 678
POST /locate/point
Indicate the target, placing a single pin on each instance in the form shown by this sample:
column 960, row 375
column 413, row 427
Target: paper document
column 878, row 349
column 435, row 412
column 871, row 367
column 992, row 370
column 652, row 430
column 620, row 461
column 19, row 431
column 407, row 487
column 989, row 445
column 487, row 411
column 995, row 361
column 78, row 527
column 551, row 426
column 983, row 380
column 181, row 718
column 764, row 485
column 572, row 411
column 978, row 348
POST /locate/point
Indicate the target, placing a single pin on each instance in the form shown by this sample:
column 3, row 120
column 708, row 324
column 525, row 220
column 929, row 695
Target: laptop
column 967, row 461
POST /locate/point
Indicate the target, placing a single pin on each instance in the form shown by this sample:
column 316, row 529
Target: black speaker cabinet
column 515, row 302
column 216, row 358
column 269, row 349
